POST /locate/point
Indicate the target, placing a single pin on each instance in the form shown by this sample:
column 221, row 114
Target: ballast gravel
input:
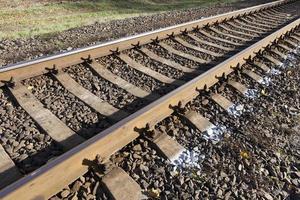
column 68, row 108
column 27, row 145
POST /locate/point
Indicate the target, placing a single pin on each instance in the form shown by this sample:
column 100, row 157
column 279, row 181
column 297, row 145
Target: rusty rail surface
column 51, row 178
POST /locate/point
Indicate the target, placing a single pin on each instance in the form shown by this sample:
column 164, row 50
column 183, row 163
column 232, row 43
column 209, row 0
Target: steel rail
column 40, row 66
column 51, row 178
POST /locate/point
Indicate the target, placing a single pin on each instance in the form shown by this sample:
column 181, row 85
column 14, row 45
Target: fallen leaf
column 244, row 154
column 154, row 193
column 264, row 93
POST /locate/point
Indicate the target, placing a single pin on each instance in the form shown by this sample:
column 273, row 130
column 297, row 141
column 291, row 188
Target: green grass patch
column 20, row 18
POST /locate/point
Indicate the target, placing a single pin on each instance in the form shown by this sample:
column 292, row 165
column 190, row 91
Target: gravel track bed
column 256, row 157
column 184, row 49
column 204, row 46
column 213, row 41
column 155, row 174
column 74, row 113
column 261, row 160
column 156, row 66
column 289, row 100
column 165, row 54
column 104, row 89
column 212, row 111
column 230, row 164
column 185, row 134
column 249, row 164
column 211, row 174
column 133, row 76
column 27, row 145
column 88, row 186
column 271, row 134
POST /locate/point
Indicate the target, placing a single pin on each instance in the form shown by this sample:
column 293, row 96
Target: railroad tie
column 274, row 11
column 276, row 17
column 277, row 14
column 170, row 148
column 296, row 34
column 250, row 21
column 253, row 75
column 194, row 37
column 249, row 29
column 238, row 32
column 222, row 101
column 218, row 38
column 158, row 76
column 228, row 34
column 257, row 24
column 295, row 37
column 200, row 122
column 285, row 47
column 273, row 19
column 8, row 171
column 53, row 126
column 89, row 98
column 273, row 59
column 264, row 21
column 262, row 30
column 121, row 186
column 292, row 43
column 182, row 54
column 196, row 48
column 262, row 66
column 170, row 63
column 282, row 55
column 109, row 76
column 267, row 19
column 238, row 86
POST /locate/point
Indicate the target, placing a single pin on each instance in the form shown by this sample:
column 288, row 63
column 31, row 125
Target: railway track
column 58, row 113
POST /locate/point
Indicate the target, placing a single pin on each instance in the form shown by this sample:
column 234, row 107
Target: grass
column 23, row 18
